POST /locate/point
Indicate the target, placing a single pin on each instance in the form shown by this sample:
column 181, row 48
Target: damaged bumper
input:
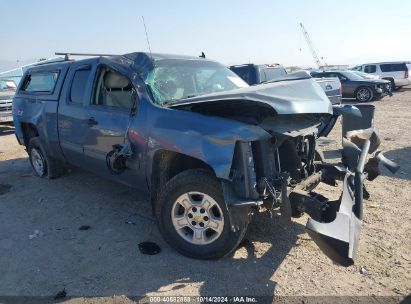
column 336, row 229
column 338, row 238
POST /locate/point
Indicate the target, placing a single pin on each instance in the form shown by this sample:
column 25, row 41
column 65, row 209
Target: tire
column 392, row 85
column 196, row 188
column 43, row 165
column 364, row 94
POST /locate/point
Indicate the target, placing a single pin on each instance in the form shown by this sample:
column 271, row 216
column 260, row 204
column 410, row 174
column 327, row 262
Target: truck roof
column 141, row 57
column 386, row 62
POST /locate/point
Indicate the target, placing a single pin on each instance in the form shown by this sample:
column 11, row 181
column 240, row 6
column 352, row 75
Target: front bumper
column 338, row 239
column 335, row 226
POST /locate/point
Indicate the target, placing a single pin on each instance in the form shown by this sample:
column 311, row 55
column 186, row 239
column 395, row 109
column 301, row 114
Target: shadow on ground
column 105, row 259
column 402, row 157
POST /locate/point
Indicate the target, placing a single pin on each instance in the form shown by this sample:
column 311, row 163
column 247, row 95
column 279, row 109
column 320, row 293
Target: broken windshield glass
column 172, row 80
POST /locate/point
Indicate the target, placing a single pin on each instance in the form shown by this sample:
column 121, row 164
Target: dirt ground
column 42, row 250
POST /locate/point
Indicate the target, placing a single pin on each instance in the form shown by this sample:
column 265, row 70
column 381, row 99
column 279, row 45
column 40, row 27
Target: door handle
column 92, row 121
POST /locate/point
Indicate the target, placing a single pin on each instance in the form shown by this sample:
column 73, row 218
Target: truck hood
column 285, row 96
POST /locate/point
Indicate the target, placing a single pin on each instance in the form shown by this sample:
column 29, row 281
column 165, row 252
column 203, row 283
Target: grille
column 5, row 106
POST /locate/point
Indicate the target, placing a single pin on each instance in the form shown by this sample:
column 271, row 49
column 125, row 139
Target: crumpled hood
column 286, row 96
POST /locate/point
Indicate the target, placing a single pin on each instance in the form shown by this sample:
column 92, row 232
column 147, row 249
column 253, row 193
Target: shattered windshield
column 174, row 79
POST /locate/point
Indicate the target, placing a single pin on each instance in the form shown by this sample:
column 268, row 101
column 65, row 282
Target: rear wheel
column 42, row 164
column 364, row 94
column 193, row 217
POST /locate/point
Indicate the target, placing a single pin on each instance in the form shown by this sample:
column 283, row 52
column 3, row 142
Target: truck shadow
column 105, row 259
column 401, row 157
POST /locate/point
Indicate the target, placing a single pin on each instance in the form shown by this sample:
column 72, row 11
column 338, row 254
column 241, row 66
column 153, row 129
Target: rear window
column 370, row 69
column 273, row 73
column 246, row 73
column 41, row 82
column 393, row 67
column 78, row 86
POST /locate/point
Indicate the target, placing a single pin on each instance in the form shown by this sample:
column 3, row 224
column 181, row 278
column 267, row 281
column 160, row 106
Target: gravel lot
column 43, row 251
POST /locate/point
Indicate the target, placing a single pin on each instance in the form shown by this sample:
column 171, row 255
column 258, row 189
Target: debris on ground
column 61, row 294
column 37, row 233
column 4, row 188
column 85, row 227
column 149, row 248
column 363, row 270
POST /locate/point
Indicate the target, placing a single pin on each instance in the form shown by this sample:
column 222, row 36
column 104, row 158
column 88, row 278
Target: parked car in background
column 355, row 86
column 255, row 74
column 259, row 73
column 398, row 72
column 7, row 91
column 366, row 76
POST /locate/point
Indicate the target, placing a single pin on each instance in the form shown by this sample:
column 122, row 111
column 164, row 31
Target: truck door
column 94, row 115
column 108, row 119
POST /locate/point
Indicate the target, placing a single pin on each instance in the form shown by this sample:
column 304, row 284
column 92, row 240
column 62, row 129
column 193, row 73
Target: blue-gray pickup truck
column 209, row 150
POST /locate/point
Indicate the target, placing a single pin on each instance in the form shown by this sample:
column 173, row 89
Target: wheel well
column 388, row 78
column 29, row 131
column 166, row 165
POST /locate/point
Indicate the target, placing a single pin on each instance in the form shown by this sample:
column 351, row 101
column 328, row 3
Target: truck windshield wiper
column 174, row 101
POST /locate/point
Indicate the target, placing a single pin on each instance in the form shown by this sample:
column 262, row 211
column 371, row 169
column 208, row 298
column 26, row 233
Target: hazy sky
column 230, row 31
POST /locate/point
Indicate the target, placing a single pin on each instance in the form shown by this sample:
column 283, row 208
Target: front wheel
column 364, row 94
column 193, row 217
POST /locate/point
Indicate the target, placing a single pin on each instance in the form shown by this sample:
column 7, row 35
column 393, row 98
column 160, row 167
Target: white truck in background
column 7, row 91
column 261, row 73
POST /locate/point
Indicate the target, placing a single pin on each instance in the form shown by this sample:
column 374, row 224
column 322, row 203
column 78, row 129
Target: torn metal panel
column 299, row 96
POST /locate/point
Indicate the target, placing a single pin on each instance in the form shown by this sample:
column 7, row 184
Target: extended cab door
column 73, row 114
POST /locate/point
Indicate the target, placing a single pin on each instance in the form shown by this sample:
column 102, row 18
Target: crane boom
column 310, row 45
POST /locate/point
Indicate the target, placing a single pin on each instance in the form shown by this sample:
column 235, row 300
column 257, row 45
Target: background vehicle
column 255, row 74
column 207, row 148
column 365, row 75
column 355, row 86
column 7, row 91
column 396, row 72
column 259, row 73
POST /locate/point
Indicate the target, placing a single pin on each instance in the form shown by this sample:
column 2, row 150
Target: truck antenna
column 148, row 41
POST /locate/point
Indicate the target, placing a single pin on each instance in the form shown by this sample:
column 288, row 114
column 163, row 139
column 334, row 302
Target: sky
column 229, row 31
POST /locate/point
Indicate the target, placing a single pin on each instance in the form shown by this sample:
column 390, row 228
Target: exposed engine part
column 116, row 159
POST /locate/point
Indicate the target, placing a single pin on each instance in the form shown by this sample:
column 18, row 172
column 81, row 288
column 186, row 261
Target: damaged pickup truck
column 209, row 150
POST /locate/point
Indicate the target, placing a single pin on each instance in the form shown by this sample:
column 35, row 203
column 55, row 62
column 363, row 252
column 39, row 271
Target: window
column 247, row 73
column 370, row 69
column 393, row 67
column 113, row 90
column 43, row 82
column 78, row 85
column 357, row 68
column 171, row 80
column 273, row 73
